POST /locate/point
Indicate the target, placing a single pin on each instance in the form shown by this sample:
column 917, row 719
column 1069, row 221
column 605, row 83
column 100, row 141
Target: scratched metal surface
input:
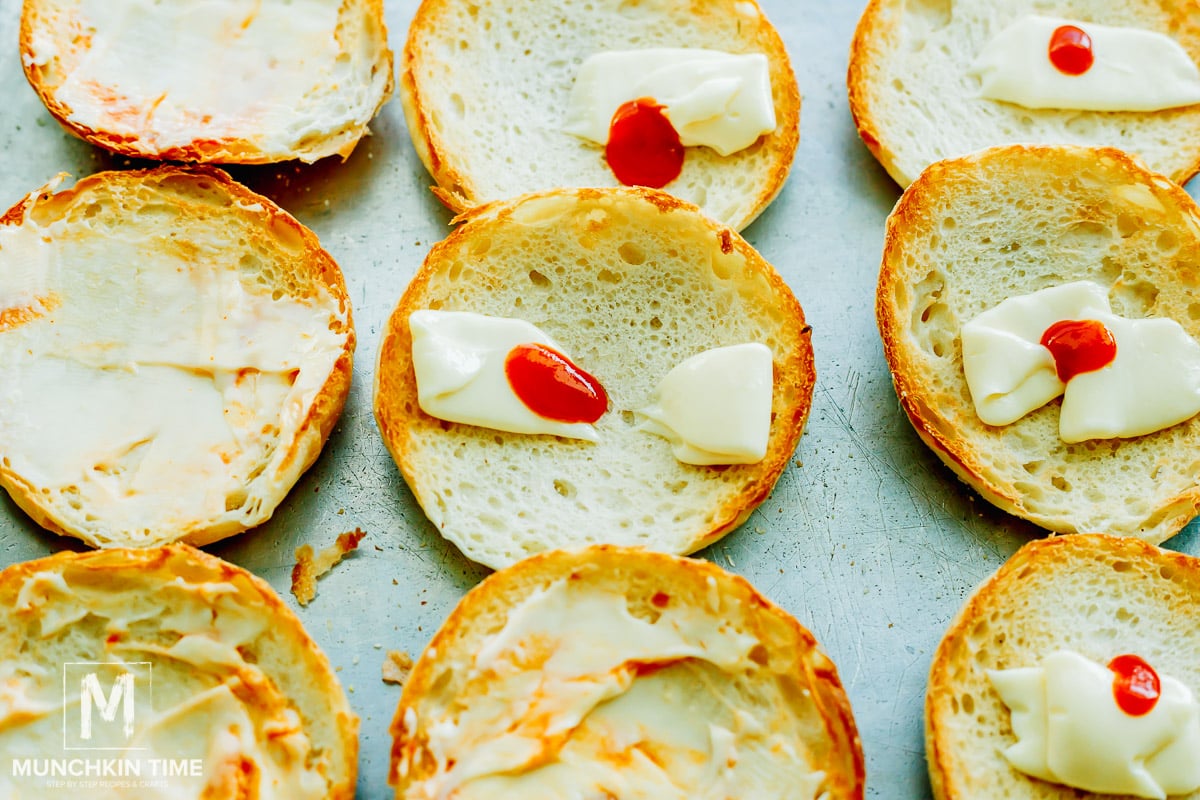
column 867, row 539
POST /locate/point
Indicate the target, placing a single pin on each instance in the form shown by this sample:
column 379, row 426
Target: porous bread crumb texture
column 1008, row 222
column 208, row 219
column 309, row 568
column 331, row 117
column 629, row 291
column 915, row 104
column 156, row 591
column 487, row 83
column 1097, row 595
column 788, row 678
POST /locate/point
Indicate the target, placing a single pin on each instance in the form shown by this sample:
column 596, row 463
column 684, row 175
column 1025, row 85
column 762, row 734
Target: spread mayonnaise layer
column 172, row 72
column 1069, row 730
column 577, row 697
column 1153, row 383
column 459, row 360
column 198, row 693
column 712, row 98
column 1134, row 70
column 149, row 390
column 715, row 407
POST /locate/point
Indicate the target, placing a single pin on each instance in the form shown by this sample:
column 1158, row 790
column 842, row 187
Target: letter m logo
column 92, row 696
column 100, row 703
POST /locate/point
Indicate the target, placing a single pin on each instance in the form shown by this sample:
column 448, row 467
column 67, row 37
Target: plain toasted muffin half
column 1096, row 595
column 1008, row 221
column 629, row 283
column 485, row 88
column 176, row 350
column 616, row 672
column 915, row 101
column 241, row 81
column 186, row 672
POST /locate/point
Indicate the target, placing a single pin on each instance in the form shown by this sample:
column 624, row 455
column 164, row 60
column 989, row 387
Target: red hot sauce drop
column 1079, row 346
column 643, row 147
column 552, row 387
column 1135, row 685
column 1071, row 50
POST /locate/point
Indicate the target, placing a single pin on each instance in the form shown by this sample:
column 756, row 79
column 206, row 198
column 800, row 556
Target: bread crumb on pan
column 309, row 567
column 396, row 667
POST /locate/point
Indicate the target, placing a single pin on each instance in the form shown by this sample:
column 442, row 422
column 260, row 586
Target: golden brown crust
column 950, row 441
column 458, row 190
column 400, row 418
column 453, row 188
column 785, row 139
column 634, row 573
column 227, row 150
column 879, row 30
column 181, row 562
column 998, row 611
column 276, row 224
column 867, row 32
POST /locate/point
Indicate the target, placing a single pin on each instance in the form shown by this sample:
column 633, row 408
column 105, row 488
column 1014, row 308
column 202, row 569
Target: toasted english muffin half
column 485, row 86
column 1094, row 594
column 240, row 81
column 175, row 350
column 914, row 102
column 972, row 232
column 618, row 672
column 629, row 283
column 205, row 682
